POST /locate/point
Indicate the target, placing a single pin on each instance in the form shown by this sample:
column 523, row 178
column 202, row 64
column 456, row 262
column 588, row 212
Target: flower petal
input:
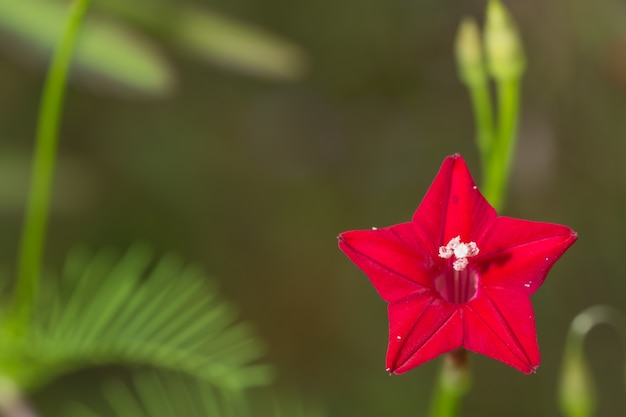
column 452, row 207
column 392, row 259
column 420, row 329
column 500, row 324
column 517, row 254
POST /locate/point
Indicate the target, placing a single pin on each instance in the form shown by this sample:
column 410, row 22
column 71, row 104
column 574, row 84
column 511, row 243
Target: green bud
column 505, row 55
column 469, row 53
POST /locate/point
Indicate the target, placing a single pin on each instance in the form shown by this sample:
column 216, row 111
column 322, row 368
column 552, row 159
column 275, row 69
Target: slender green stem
column 483, row 118
column 498, row 167
column 452, row 385
column 36, row 219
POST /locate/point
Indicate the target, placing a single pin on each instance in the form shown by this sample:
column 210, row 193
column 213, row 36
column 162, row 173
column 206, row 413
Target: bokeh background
column 253, row 176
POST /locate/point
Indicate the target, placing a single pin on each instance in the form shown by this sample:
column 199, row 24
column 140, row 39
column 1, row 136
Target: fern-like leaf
column 134, row 309
column 153, row 394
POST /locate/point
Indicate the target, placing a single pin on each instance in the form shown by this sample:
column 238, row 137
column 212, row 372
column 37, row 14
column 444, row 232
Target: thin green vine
column 44, row 161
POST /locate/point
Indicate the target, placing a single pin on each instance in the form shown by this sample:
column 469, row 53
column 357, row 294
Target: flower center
column 457, row 284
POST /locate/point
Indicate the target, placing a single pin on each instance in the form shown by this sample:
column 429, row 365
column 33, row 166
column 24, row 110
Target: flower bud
column 469, row 53
column 505, row 55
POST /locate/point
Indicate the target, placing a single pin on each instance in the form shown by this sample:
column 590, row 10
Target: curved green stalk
column 483, row 119
column 44, row 160
column 498, row 166
column 577, row 389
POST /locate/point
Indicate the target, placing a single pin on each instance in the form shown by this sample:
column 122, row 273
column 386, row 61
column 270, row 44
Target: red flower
column 458, row 275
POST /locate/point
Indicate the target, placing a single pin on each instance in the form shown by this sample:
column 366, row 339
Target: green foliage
column 116, row 54
column 501, row 57
column 219, row 39
column 151, row 394
column 107, row 308
column 105, row 51
column 214, row 37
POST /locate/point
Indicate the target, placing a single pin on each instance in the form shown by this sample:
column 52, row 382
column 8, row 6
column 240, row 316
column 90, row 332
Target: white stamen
column 460, row 264
column 461, row 252
column 445, row 252
column 464, row 250
column 374, row 228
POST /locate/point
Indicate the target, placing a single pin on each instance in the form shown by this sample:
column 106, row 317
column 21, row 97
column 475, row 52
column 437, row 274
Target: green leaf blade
column 108, row 55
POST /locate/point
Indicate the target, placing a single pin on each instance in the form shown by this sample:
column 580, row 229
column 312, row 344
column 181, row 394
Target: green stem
column 483, row 118
column 452, row 385
column 499, row 161
column 36, row 219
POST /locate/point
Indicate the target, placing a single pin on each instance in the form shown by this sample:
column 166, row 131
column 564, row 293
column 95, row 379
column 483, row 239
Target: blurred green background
column 253, row 174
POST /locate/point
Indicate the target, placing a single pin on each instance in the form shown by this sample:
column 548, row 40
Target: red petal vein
column 420, row 329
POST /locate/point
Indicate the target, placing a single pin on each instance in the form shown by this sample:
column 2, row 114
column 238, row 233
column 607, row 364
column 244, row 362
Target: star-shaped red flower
column 458, row 275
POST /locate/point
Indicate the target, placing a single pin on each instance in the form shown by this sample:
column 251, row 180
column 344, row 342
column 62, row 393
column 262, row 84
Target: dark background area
column 253, row 179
